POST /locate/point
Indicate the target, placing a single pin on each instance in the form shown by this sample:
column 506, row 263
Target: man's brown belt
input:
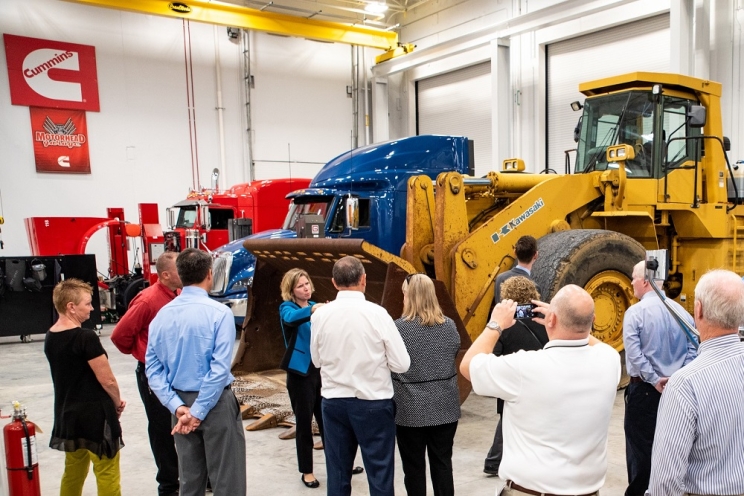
column 636, row 379
column 512, row 485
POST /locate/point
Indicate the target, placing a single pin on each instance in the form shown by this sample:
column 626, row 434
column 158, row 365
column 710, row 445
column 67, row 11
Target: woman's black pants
column 413, row 444
column 304, row 394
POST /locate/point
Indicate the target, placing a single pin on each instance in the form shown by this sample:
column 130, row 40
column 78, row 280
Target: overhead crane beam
column 213, row 12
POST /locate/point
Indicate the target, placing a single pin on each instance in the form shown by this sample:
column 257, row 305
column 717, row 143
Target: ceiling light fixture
column 376, row 7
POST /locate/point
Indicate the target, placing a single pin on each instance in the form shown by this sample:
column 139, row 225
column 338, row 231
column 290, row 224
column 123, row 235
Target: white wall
column 301, row 112
column 707, row 42
column 139, row 141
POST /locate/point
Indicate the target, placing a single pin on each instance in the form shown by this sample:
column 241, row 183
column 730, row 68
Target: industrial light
column 376, row 7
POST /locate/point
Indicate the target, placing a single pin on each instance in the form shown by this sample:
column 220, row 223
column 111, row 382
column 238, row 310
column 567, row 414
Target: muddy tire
column 599, row 261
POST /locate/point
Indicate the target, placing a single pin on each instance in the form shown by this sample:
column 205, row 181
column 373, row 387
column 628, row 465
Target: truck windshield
column 622, row 118
column 318, row 207
column 186, row 217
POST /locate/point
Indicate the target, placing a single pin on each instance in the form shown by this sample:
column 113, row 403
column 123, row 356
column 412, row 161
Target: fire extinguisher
column 20, row 454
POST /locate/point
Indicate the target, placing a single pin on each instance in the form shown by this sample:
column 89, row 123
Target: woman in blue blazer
column 303, row 378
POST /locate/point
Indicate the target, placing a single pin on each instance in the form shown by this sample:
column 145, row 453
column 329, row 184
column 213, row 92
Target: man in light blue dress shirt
column 655, row 348
column 187, row 363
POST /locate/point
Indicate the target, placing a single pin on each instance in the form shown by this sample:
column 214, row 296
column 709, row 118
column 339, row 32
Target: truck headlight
column 242, row 284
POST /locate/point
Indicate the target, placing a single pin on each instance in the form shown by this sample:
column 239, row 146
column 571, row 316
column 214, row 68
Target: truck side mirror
column 352, row 213
column 697, row 115
column 206, row 220
column 172, row 216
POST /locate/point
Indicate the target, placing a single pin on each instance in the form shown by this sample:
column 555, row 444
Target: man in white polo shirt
column 558, row 400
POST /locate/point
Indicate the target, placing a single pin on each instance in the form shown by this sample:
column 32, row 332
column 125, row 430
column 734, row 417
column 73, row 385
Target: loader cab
column 637, row 118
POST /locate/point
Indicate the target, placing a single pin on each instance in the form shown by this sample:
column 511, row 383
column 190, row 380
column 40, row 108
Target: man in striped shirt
column 699, row 441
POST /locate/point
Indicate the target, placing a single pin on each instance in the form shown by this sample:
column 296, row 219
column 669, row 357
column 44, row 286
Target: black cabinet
column 26, row 286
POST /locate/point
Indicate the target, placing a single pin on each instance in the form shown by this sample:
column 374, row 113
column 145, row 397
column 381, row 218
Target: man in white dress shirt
column 356, row 345
column 558, row 400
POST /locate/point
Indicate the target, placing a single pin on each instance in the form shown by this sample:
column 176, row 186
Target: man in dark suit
column 526, row 252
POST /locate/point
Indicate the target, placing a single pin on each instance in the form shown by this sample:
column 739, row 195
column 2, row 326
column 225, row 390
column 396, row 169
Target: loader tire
column 599, row 261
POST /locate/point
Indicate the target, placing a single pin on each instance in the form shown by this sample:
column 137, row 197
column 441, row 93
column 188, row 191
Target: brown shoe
column 318, row 445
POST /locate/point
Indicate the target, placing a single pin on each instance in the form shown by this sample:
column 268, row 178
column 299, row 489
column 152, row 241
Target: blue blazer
column 295, row 322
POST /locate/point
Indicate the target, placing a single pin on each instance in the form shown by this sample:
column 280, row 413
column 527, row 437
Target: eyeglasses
column 409, row 276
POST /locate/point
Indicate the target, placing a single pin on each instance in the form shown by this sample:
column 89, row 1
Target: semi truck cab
column 376, row 176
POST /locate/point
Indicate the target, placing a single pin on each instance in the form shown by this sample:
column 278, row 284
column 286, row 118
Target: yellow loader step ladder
column 738, row 233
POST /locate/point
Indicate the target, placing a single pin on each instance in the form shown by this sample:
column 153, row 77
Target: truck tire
column 599, row 261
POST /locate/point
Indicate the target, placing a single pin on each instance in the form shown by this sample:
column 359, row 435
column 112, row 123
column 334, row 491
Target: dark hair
column 347, row 272
column 525, row 249
column 193, row 266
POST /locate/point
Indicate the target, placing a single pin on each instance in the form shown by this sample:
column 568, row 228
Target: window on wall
column 458, row 103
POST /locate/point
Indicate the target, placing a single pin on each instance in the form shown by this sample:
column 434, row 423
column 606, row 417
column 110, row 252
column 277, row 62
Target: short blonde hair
column 290, row 280
column 520, row 289
column 421, row 300
column 69, row 291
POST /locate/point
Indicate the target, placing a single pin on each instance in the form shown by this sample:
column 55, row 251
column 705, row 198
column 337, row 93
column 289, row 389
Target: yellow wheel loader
column 651, row 173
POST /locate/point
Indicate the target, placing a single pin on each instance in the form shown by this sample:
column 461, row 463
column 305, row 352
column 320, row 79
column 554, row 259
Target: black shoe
column 357, row 471
column 311, row 485
column 491, row 470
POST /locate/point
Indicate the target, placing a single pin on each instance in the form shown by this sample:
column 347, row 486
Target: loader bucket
column 262, row 345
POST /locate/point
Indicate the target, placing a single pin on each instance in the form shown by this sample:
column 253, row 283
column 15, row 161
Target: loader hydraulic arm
column 469, row 262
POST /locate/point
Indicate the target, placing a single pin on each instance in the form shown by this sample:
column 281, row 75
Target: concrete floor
column 271, row 462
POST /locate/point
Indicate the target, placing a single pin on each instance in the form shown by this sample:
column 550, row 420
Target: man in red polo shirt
column 130, row 336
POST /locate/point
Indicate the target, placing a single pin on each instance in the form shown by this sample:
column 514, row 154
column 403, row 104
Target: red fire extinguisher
column 20, row 454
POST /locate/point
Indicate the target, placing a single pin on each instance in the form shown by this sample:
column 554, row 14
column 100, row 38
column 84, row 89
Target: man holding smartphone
column 558, row 401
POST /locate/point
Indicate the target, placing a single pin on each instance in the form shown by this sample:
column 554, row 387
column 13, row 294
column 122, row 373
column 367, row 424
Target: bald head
column 165, row 265
column 573, row 309
column 166, row 261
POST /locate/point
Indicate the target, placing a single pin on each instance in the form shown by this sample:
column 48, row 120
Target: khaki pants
column 514, row 492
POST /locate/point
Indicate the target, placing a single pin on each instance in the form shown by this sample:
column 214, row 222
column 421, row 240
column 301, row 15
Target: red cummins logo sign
column 52, row 74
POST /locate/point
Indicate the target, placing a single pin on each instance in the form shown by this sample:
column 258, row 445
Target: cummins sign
column 53, row 74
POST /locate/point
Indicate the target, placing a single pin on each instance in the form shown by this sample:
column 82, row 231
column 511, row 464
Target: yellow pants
column 106, row 470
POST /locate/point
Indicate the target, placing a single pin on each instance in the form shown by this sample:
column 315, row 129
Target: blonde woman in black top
column 87, row 403
column 426, row 397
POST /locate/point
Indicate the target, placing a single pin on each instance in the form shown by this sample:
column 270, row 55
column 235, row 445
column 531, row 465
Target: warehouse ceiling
column 345, row 11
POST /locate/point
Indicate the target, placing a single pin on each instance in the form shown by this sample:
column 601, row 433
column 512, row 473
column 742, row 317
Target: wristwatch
column 494, row 326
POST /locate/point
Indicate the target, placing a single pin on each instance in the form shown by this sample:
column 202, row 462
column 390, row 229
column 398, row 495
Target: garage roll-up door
column 638, row 46
column 458, row 103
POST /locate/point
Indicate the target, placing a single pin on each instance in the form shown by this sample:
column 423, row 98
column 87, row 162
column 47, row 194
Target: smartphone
column 524, row 312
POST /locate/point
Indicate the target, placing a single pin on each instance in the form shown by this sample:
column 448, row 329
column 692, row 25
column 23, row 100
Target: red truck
column 206, row 219
column 209, row 218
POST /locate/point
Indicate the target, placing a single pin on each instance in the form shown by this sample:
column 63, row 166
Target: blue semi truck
column 375, row 177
